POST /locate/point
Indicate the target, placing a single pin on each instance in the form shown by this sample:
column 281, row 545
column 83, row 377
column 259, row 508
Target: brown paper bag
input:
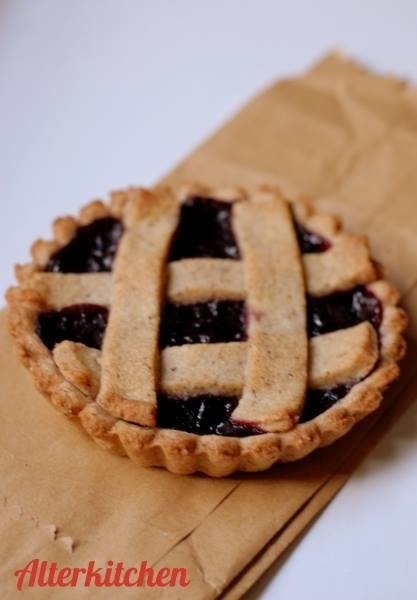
column 339, row 133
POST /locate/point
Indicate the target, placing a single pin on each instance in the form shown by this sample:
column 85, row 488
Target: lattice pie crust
column 113, row 391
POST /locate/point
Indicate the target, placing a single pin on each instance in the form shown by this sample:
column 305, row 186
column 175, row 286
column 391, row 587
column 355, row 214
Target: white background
column 98, row 94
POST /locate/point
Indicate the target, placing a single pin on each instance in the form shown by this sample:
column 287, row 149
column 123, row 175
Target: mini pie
column 208, row 330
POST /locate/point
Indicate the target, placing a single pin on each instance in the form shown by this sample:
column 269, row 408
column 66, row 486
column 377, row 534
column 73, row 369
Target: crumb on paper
column 65, row 540
column 52, row 530
column 68, row 543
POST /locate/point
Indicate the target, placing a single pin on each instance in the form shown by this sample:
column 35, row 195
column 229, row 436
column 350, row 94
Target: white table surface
column 98, row 94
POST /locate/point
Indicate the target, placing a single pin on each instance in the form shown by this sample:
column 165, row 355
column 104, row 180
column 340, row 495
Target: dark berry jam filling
column 204, row 230
column 317, row 401
column 92, row 249
column 205, row 322
column 342, row 310
column 84, row 323
column 202, row 415
column 310, row 242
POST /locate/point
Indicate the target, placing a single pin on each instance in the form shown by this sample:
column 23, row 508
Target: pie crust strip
column 65, row 289
column 276, row 370
column 130, row 356
column 342, row 267
column 204, row 279
column 194, row 369
column 340, row 357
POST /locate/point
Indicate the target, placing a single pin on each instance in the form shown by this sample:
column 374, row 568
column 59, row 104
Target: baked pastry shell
column 178, row 451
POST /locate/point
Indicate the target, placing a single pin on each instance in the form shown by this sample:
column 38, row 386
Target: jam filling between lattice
column 204, row 231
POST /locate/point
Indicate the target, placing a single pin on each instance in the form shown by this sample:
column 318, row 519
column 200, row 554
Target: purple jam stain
column 342, row 310
column 84, row 323
column 201, row 323
column 92, row 249
column 238, row 429
column 310, row 242
column 318, row 401
column 204, row 231
column 203, row 415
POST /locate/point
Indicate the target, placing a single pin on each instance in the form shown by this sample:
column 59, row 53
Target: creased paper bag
column 348, row 138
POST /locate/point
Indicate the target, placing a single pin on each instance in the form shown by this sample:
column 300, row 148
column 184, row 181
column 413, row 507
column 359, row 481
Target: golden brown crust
column 277, row 332
column 24, row 306
column 204, row 279
column 130, row 359
column 178, row 451
column 342, row 356
column 345, row 265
